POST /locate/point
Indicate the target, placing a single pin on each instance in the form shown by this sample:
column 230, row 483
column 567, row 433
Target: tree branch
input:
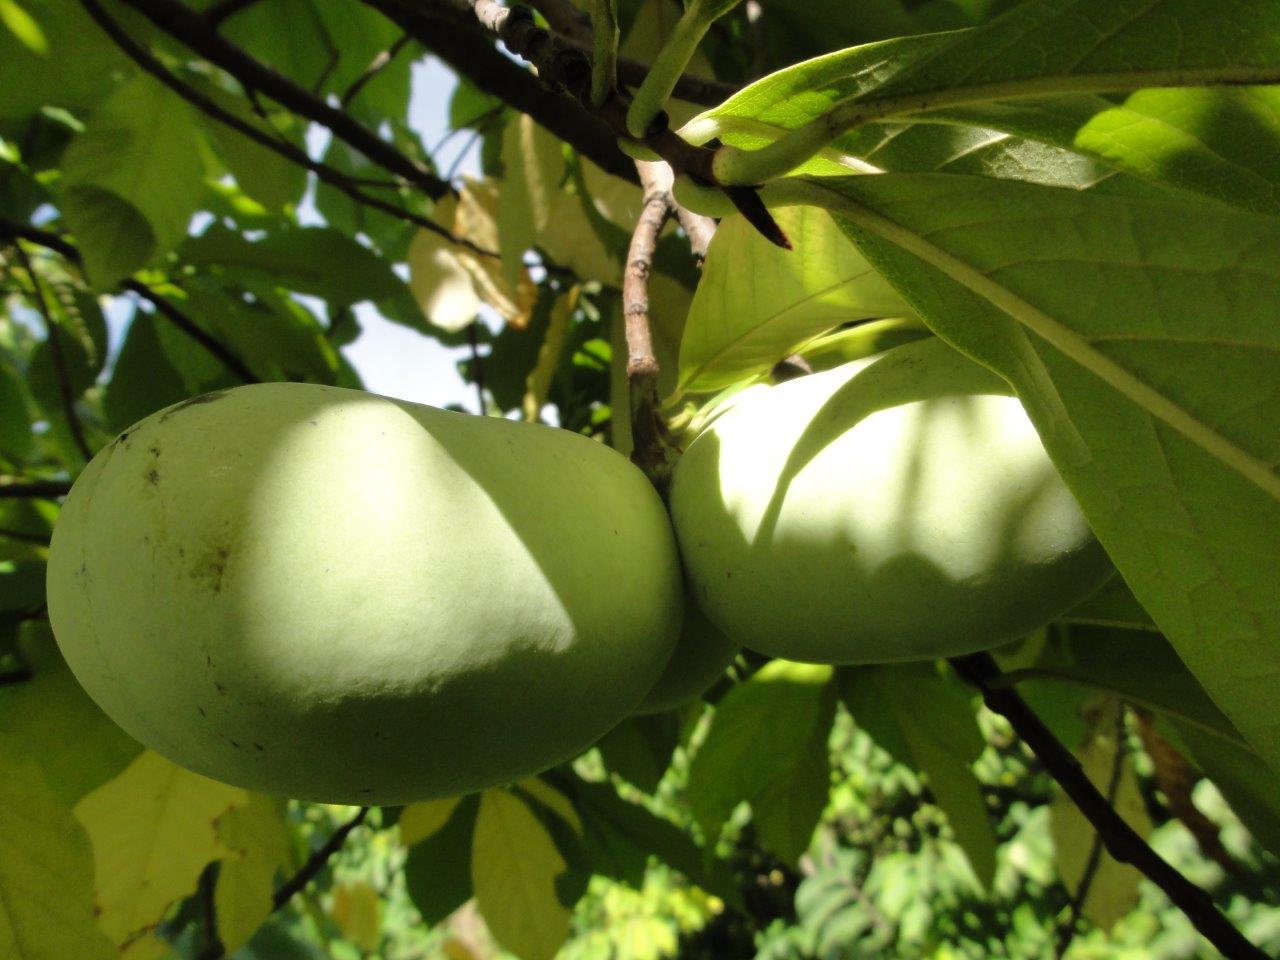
column 1121, row 841
column 194, row 30
column 65, row 393
column 648, row 450
column 34, row 490
column 211, row 108
column 453, row 38
column 700, row 229
column 165, row 308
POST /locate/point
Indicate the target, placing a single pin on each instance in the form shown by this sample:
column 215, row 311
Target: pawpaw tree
column 948, row 332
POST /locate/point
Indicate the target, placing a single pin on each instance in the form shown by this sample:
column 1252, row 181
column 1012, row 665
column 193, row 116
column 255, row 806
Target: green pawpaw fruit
column 702, row 654
column 336, row 596
column 896, row 508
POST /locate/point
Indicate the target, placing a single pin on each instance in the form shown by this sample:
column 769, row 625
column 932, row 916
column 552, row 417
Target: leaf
column 421, row 821
column 46, row 873
column 538, row 384
column 314, row 260
column 437, row 872
column 533, row 168
column 115, row 238
column 440, row 283
column 15, row 425
column 750, row 752
column 23, row 26
column 476, row 220
column 1112, row 606
column 152, row 829
column 639, row 749
column 288, row 35
column 50, row 720
column 141, row 146
column 143, row 380
column 758, row 303
column 514, row 866
column 257, row 842
column 263, row 174
column 72, row 72
column 925, row 721
column 1247, row 783
column 357, row 910
column 1113, row 888
column 1106, row 335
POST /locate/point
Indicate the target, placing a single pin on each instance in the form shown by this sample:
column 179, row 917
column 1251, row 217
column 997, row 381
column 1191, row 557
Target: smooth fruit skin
column 701, row 656
column 330, row 595
column 897, row 508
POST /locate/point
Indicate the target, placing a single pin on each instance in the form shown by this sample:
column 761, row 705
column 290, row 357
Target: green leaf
column 115, row 238
column 75, row 69
column 514, row 868
column 361, row 37
column 15, row 425
column 46, row 873
column 533, row 169
column 758, row 303
column 141, row 146
column 263, row 174
column 1245, row 781
column 750, row 753
column 639, row 749
column 1112, row 606
column 287, row 34
column 167, row 812
column 23, row 26
column 437, row 872
column 926, row 721
column 143, row 380
column 257, row 840
column 1113, row 890
column 311, row 260
column 1106, row 334
column 49, row 719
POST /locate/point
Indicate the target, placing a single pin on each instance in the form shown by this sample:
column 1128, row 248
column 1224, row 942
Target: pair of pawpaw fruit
column 336, row 596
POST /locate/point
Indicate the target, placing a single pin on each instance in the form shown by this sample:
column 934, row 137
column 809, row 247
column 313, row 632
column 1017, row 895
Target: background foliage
column 1083, row 195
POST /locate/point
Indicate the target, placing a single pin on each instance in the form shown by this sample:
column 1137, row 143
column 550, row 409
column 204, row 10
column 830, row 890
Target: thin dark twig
column 315, row 863
column 376, row 66
column 35, row 490
column 477, row 368
column 1067, row 932
column 1120, row 839
column 207, row 892
column 648, row 450
column 54, row 330
column 219, row 12
column 326, row 174
column 165, row 308
column 192, row 29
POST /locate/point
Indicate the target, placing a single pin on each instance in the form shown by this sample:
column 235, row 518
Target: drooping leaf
column 759, row 748
column 440, row 283
column 514, row 868
column 1105, row 334
column 639, row 749
column 357, row 910
column 1113, row 886
column 437, row 872
column 141, row 146
column 757, row 303
column 533, row 168
column 257, row 843
column 51, row 721
column 421, row 821
column 46, row 873
column 153, row 832
column 925, row 720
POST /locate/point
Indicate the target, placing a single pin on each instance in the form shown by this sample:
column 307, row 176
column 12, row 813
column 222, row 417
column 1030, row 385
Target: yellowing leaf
column 357, row 910
column 257, row 844
column 46, row 874
column 570, row 241
column 615, row 199
column 440, row 283
column 514, row 866
column 553, row 799
column 152, row 830
column 477, row 220
column 418, row 821
column 533, row 168
column 1113, row 889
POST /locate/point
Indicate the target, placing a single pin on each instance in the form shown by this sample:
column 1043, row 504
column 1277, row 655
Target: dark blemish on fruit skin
column 203, row 398
column 202, row 713
column 259, row 747
column 213, row 568
column 234, row 744
column 222, row 691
